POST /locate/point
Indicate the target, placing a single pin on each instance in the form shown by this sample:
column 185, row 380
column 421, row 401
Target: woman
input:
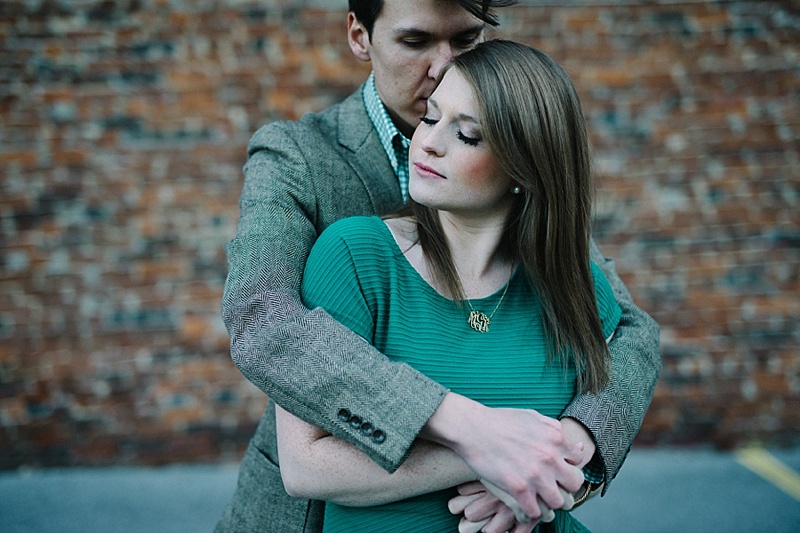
column 484, row 283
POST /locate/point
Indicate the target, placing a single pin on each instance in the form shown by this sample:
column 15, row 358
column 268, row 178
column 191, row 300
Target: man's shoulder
column 323, row 127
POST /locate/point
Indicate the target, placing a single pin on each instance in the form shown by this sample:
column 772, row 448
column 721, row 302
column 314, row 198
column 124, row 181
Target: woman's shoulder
column 356, row 226
column 356, row 232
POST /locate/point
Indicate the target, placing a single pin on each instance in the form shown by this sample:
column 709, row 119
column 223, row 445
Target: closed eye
column 472, row 141
column 414, row 43
column 467, row 41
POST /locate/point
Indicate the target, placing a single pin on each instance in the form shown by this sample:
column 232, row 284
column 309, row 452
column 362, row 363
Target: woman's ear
column 358, row 38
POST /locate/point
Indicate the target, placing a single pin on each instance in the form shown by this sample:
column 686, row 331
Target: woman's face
column 451, row 166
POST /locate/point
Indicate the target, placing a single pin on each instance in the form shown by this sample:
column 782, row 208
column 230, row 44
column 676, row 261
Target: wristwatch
column 584, row 492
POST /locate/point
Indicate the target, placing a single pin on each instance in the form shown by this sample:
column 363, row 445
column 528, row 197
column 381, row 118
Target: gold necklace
column 478, row 320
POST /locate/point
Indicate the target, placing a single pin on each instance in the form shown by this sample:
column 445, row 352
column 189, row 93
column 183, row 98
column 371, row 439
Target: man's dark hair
column 367, row 11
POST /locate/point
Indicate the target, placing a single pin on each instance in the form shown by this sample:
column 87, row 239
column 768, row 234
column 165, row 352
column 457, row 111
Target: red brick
column 136, row 191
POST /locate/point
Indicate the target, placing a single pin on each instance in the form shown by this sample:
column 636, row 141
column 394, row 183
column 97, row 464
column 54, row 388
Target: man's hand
column 576, row 432
column 520, row 451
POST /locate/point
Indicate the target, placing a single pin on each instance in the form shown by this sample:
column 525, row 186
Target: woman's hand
column 483, row 511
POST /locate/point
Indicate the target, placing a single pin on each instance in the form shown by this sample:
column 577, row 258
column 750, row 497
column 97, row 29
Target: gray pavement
column 694, row 491
column 658, row 490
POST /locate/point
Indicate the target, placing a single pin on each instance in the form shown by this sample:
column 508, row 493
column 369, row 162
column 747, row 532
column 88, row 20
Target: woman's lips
column 426, row 171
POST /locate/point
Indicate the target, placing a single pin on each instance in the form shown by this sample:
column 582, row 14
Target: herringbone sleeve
column 299, row 178
column 615, row 414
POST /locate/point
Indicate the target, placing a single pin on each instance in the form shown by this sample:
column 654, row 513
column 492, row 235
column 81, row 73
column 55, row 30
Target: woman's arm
column 315, row 465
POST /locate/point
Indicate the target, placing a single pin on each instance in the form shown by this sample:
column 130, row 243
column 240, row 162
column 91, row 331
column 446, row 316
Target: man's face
column 411, row 41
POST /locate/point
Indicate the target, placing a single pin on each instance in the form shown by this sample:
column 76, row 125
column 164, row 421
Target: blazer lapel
column 369, row 160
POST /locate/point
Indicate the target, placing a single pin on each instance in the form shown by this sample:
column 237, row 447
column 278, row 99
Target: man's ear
column 357, row 38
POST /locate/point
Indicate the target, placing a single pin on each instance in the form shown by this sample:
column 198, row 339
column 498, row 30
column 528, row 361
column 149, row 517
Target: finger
column 465, row 526
column 501, row 522
column 574, row 453
column 457, row 504
column 528, row 508
column 570, row 458
column 524, row 528
column 569, row 480
column 548, row 515
column 486, row 506
column 471, row 487
column 569, row 500
column 507, row 499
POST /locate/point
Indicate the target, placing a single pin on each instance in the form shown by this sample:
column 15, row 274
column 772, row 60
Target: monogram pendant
column 479, row 321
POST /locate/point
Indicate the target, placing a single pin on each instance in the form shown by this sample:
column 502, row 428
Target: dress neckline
column 430, row 289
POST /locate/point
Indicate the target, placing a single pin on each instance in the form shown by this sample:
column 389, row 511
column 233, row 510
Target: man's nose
column 442, row 55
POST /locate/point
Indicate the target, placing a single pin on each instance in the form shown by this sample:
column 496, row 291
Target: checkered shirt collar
column 394, row 143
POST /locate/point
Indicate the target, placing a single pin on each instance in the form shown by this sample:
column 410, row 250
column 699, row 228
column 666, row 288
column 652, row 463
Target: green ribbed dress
column 359, row 275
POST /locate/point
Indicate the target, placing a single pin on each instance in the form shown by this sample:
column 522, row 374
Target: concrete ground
column 658, row 490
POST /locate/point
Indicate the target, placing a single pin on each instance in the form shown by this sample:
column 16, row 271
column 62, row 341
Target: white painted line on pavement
column 766, row 465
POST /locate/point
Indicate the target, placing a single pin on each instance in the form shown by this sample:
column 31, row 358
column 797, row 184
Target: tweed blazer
column 299, row 178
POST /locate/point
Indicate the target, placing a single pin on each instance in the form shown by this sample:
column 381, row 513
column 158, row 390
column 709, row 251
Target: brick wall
column 123, row 127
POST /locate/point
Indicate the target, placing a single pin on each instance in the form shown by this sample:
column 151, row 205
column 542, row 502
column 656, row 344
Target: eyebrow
column 424, row 33
column 460, row 116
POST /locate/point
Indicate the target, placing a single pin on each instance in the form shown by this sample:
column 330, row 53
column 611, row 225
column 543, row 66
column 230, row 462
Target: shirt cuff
column 594, row 471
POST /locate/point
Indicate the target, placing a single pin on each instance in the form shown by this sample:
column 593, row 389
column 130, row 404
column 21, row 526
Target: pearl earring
column 516, row 190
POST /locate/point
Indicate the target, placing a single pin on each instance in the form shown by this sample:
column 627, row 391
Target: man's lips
column 426, row 171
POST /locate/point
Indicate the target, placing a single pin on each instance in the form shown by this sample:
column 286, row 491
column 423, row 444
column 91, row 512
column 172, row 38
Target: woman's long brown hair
column 532, row 121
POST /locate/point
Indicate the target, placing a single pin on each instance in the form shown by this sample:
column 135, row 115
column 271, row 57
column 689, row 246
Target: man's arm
column 304, row 360
column 615, row 414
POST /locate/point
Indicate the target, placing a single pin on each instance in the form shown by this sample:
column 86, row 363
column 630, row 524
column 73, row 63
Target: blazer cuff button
column 344, row 415
column 378, row 436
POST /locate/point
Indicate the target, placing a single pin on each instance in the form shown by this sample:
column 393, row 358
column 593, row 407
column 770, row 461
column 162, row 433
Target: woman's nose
column 431, row 140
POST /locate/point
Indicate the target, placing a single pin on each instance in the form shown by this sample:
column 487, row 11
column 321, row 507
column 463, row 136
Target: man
column 351, row 160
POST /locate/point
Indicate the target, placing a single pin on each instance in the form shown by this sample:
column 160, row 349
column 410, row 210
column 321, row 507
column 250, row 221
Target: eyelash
column 467, row 42
column 470, row 141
